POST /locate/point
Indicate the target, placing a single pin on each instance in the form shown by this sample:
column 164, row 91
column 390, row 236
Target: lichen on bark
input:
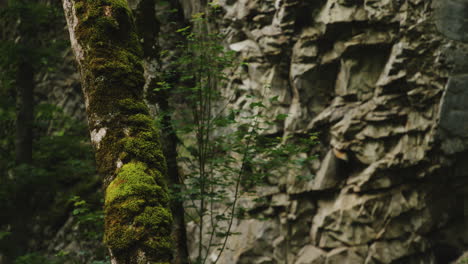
column 129, row 156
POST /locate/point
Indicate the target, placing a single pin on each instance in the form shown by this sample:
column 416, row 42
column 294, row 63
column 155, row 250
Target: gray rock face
column 62, row 88
column 386, row 90
column 451, row 18
column 453, row 115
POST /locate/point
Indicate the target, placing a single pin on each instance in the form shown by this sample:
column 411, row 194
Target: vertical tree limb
column 24, row 113
column 148, row 28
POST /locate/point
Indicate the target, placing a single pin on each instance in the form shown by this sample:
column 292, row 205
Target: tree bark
column 148, row 28
column 24, row 83
column 23, row 156
column 24, row 113
column 128, row 152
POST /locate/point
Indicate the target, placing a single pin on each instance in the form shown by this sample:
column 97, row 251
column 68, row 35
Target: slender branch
column 244, row 160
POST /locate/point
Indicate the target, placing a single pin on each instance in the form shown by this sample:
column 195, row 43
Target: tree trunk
column 23, row 156
column 128, row 153
column 24, row 83
column 148, row 28
column 24, row 113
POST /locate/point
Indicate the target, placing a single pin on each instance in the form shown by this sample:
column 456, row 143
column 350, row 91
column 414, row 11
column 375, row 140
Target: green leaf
column 4, row 234
column 257, row 104
column 180, row 30
column 281, row 117
column 274, row 99
column 79, row 203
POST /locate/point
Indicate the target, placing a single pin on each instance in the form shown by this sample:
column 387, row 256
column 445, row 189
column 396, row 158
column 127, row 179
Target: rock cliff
column 384, row 82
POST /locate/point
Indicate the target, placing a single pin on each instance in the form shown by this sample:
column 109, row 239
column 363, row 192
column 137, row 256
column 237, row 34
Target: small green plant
column 4, row 234
column 36, row 258
column 90, row 220
column 227, row 152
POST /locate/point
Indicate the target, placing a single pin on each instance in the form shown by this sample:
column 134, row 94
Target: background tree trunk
column 148, row 28
column 24, row 83
column 128, row 153
column 25, row 113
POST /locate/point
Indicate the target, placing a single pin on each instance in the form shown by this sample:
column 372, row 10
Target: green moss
column 154, row 216
column 145, row 147
column 113, row 66
column 133, row 204
column 120, row 237
column 132, row 180
column 79, row 8
column 131, row 106
column 103, row 30
column 136, row 211
column 160, row 247
column 141, row 120
column 123, row 71
column 101, row 21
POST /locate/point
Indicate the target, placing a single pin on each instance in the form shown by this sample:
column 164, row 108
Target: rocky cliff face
column 386, row 90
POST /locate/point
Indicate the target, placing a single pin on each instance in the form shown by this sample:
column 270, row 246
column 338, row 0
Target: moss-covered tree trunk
column 148, row 28
column 128, row 152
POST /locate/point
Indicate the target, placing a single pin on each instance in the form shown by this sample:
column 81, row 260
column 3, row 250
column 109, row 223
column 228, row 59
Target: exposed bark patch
column 72, row 22
column 97, row 136
column 107, row 11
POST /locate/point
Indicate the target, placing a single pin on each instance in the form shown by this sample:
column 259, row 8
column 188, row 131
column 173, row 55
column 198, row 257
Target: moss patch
column 112, row 66
column 131, row 106
column 132, row 181
column 136, row 212
column 145, row 149
column 154, row 216
column 140, row 120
